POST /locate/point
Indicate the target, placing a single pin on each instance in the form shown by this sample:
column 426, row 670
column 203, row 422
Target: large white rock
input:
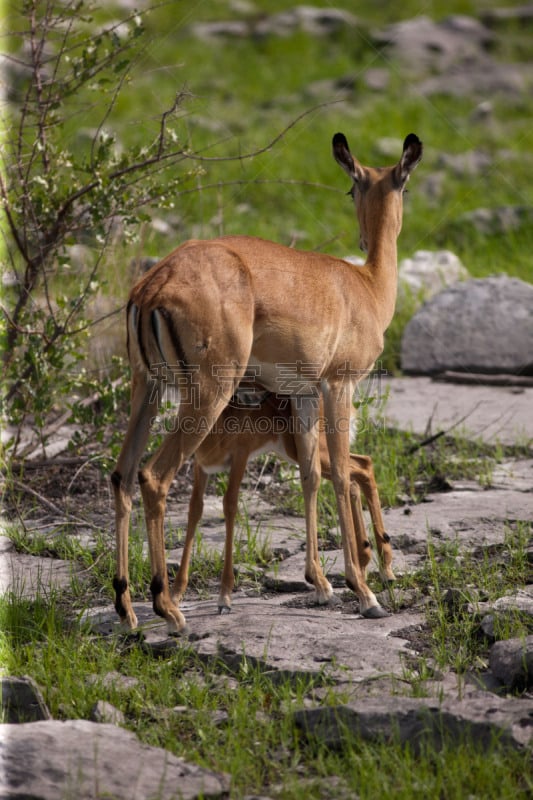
column 481, row 325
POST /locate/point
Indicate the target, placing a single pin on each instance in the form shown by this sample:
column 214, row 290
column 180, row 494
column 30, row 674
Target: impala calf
column 260, row 422
column 305, row 324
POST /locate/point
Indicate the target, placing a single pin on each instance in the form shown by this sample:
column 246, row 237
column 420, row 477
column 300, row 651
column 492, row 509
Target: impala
column 257, row 422
column 303, row 324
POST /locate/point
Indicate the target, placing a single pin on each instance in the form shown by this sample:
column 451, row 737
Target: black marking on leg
column 141, row 478
column 366, row 544
column 308, row 578
column 156, row 588
column 351, row 585
column 120, row 585
column 116, row 479
column 386, row 538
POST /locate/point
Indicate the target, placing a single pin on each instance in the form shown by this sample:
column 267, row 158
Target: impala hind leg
column 366, row 478
column 307, row 448
column 144, row 407
column 155, row 480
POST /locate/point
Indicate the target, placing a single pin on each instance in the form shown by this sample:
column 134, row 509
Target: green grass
column 240, row 721
column 472, row 578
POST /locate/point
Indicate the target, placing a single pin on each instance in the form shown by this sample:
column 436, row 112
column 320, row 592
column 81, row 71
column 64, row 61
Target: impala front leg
column 306, row 437
column 196, row 507
column 231, row 505
column 337, row 405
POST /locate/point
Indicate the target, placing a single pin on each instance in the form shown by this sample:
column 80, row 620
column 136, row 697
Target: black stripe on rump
column 128, row 310
column 140, row 341
column 173, row 333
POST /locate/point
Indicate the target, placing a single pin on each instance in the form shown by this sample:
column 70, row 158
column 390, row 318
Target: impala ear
column 411, row 157
column 343, row 157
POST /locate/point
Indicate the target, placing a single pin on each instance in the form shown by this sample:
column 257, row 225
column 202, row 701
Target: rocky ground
column 277, row 625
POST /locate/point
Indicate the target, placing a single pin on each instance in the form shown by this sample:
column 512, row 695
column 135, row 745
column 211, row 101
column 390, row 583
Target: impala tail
column 154, row 343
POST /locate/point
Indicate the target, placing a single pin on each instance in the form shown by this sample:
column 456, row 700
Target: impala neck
column 382, row 264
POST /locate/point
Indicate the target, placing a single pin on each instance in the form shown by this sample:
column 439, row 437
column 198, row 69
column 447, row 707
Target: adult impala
column 259, row 421
column 300, row 323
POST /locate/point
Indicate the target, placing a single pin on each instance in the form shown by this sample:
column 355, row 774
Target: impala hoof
column 224, row 609
column 128, row 622
column 375, row 612
column 174, row 634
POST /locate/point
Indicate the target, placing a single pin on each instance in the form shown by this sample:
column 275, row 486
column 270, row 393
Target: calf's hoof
column 375, row 612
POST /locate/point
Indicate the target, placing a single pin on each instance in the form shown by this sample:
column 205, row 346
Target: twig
column 46, row 503
column 85, row 463
column 431, row 439
column 50, row 506
column 498, row 379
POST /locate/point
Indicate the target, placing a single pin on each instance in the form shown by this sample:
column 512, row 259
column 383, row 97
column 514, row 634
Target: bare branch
column 267, row 147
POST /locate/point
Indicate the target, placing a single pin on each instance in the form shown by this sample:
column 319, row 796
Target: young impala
column 257, row 422
column 301, row 324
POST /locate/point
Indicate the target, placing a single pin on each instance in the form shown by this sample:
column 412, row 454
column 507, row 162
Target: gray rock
column 30, row 576
column 264, row 632
column 226, row 29
column 6, row 545
column 521, row 601
column 422, row 722
column 428, row 272
column 489, row 221
column 22, row 700
column 339, row 88
column 511, row 661
column 485, row 78
column 102, row 711
column 113, row 680
column 50, row 760
column 376, row 79
column 489, row 413
column 420, row 42
column 521, row 13
column 472, row 162
column 456, row 53
column 483, row 326
column 310, row 19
